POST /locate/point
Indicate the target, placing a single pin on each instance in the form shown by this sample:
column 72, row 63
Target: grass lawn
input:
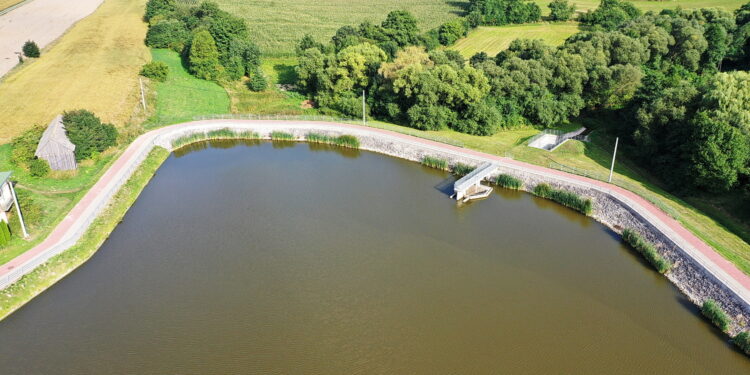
column 93, row 66
column 183, row 96
column 47, row 200
column 278, row 25
column 646, row 5
column 495, row 39
column 44, row 276
column 272, row 100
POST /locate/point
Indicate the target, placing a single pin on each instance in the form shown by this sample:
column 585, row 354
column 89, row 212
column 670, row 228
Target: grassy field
column 94, row 66
column 4, row 4
column 278, row 25
column 44, row 276
column 646, row 5
column 272, row 100
column 183, row 96
column 495, row 39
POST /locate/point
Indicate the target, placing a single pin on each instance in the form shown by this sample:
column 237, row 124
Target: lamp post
column 612, row 168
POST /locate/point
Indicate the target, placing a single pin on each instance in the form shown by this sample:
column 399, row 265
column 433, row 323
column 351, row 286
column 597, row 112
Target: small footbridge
column 470, row 186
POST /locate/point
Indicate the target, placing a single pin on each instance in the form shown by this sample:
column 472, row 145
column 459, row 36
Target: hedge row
column 566, row 198
column 647, row 250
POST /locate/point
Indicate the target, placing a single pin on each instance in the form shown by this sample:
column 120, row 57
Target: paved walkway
column 78, row 220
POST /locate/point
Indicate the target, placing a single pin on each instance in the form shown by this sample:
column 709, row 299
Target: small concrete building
column 56, row 148
column 6, row 195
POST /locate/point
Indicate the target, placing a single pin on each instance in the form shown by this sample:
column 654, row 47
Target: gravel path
column 42, row 21
column 378, row 140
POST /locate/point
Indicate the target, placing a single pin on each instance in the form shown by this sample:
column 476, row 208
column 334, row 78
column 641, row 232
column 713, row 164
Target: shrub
column 509, row 182
column 24, row 146
column 30, row 49
column 4, row 233
column 715, row 314
column 168, row 34
column 433, row 162
column 159, row 8
column 561, row 10
column 451, row 31
column 282, row 136
column 38, row 168
column 742, row 340
column 647, row 250
column 257, row 81
column 566, row 198
column 461, row 169
column 88, row 133
column 155, row 70
column 204, row 57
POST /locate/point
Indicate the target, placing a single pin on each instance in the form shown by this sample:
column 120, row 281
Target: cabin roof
column 54, row 139
column 4, row 176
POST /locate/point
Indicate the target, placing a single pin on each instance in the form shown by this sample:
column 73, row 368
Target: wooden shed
column 56, row 148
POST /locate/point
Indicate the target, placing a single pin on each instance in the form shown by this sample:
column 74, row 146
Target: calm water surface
column 295, row 259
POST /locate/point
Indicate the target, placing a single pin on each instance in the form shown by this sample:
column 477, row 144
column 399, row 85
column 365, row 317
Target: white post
column 143, row 97
column 18, row 210
column 364, row 115
column 612, row 168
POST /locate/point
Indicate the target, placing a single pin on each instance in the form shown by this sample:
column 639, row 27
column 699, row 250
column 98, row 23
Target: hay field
column 5, row 4
column 94, row 65
column 278, row 24
column 646, row 5
column 495, row 39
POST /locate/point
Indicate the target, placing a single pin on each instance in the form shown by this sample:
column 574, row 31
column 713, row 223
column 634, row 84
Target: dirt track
column 42, row 21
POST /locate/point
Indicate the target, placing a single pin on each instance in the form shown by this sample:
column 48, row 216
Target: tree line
column 674, row 84
column 214, row 44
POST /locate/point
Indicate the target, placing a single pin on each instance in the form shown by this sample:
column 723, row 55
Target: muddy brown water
column 299, row 259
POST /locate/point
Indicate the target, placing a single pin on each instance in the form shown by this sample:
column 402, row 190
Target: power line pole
column 364, row 113
column 612, row 168
column 18, row 210
column 143, row 97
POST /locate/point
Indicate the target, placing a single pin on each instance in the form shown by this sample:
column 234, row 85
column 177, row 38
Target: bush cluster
column 715, row 314
column 217, row 44
column 88, row 133
column 156, row 70
column 503, row 12
column 509, row 182
column 566, row 198
column 647, row 250
column 31, row 49
column 433, row 162
column 4, row 233
column 24, row 146
column 38, row 168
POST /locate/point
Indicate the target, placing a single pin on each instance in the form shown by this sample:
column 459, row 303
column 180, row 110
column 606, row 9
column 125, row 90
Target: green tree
column 561, row 10
column 257, row 81
column 204, row 57
column 719, row 152
column 168, row 34
column 451, row 31
column 159, row 8
column 610, row 14
column 401, row 27
column 30, row 49
column 88, row 133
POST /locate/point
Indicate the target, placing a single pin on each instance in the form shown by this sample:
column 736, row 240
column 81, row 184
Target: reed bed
column 348, row 141
column 433, row 162
column 460, row 169
column 282, row 136
column 566, row 198
column 647, row 249
column 213, row 134
column 715, row 314
column 742, row 340
column 509, row 182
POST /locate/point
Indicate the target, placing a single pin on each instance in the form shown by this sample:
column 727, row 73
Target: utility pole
column 364, row 113
column 612, row 168
column 18, row 210
column 143, row 97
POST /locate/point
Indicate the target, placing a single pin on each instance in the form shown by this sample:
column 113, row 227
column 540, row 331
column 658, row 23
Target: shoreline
column 699, row 272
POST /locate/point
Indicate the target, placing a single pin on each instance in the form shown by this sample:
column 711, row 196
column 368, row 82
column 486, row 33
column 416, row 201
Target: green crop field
column 278, row 25
column 495, row 39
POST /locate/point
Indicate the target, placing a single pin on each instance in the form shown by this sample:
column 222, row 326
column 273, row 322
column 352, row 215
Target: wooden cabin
column 56, row 148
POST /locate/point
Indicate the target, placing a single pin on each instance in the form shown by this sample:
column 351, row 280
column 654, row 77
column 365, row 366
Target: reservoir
column 289, row 258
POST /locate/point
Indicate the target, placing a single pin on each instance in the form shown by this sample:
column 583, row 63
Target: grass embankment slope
column 278, row 25
column 492, row 40
column 182, row 97
column 94, row 65
column 44, row 276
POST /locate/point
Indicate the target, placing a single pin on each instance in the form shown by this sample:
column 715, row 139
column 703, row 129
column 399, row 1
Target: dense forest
column 674, row 85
